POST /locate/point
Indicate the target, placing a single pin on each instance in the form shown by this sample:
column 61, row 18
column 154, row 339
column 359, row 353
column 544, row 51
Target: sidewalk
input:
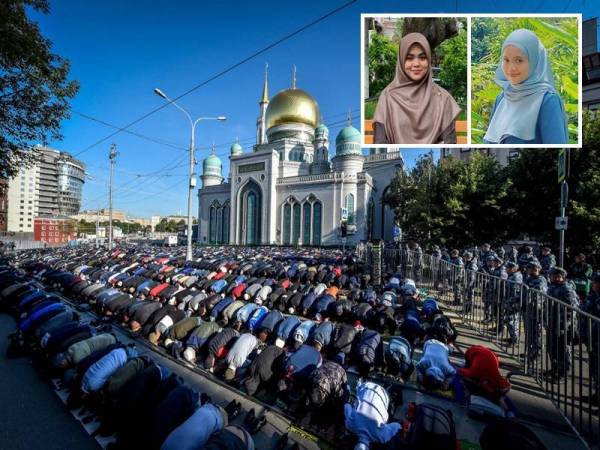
column 32, row 416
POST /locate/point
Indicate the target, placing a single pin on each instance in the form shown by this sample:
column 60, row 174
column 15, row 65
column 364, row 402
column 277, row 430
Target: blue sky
column 121, row 50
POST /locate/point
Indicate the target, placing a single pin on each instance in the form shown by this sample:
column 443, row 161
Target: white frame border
column 579, row 18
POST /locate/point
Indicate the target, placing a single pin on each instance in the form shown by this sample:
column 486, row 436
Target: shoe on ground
column 249, row 419
column 257, row 425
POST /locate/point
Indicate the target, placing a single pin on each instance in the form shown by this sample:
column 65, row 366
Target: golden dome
column 293, row 106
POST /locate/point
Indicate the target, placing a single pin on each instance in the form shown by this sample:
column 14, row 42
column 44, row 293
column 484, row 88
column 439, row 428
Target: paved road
column 31, row 414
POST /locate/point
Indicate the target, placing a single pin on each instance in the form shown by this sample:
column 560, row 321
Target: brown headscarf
column 414, row 112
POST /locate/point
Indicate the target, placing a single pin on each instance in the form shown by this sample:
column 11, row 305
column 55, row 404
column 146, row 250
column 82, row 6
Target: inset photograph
column 414, row 80
column 525, row 80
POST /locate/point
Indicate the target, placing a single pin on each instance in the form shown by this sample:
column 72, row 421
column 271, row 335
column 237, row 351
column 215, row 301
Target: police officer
column 512, row 301
column 580, row 273
column 592, row 336
column 499, row 284
column 470, row 274
column 494, row 288
column 537, row 285
column 457, row 275
column 560, row 324
column 526, row 257
column 547, row 260
column 501, row 252
column 485, row 253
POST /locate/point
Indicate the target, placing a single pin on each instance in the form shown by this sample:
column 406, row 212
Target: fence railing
column 555, row 343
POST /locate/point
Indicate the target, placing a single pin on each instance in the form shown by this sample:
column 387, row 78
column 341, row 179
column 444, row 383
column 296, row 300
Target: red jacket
column 157, row 289
column 483, row 368
column 219, row 275
column 238, row 291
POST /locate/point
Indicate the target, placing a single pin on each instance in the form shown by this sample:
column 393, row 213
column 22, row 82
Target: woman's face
column 416, row 64
column 515, row 65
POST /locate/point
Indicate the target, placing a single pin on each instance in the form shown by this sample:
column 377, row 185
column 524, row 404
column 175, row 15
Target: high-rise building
column 51, row 186
column 3, row 204
column 591, row 65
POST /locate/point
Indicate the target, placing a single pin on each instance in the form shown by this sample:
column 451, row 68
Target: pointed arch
column 250, row 200
column 317, row 218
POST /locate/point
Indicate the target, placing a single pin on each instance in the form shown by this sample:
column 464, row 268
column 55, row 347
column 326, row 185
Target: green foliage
column 370, row 109
column 34, row 89
column 465, row 203
column 451, row 202
column 168, row 226
column 382, row 63
column 453, row 67
column 559, row 36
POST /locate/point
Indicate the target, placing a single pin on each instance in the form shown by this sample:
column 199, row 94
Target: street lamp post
column 192, row 175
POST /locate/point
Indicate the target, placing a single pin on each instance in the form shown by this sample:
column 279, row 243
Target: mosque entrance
column 250, row 214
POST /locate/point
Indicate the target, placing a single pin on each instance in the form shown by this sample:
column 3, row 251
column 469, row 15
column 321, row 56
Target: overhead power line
column 223, row 72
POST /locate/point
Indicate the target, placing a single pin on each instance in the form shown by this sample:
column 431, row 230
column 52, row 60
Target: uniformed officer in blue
column 591, row 335
column 560, row 324
column 537, row 286
column 512, row 301
column 547, row 260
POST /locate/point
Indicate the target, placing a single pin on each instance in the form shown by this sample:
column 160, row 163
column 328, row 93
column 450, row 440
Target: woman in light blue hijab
column 528, row 110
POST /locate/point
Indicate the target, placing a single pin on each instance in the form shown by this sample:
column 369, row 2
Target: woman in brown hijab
column 412, row 109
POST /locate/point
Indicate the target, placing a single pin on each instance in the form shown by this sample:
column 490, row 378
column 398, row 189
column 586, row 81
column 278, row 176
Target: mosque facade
column 288, row 191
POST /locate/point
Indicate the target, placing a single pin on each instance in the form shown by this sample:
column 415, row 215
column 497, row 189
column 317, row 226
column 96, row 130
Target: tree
column 452, row 202
column 34, row 89
column 453, row 67
column 382, row 63
column 436, row 30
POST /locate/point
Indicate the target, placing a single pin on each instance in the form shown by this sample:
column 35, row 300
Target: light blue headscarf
column 517, row 112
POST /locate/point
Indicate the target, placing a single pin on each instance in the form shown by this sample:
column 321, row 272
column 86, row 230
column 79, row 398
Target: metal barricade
column 552, row 342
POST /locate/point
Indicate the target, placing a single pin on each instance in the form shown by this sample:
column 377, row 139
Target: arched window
column 316, row 232
column 212, row 225
column 350, row 208
column 250, row 211
column 296, row 224
column 306, row 223
column 287, row 223
column 225, row 229
column 219, row 226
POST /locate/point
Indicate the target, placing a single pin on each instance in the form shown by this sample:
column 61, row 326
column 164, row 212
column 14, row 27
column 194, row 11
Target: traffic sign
column 562, row 165
column 561, row 223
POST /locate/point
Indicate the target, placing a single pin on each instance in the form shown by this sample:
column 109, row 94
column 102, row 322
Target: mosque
column 287, row 191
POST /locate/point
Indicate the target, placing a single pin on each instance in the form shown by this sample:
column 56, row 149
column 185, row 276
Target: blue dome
column 236, row 149
column 347, row 142
column 322, row 129
column 212, row 165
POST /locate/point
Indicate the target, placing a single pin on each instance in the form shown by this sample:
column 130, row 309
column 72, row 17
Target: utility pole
column 561, row 222
column 112, row 156
column 97, row 224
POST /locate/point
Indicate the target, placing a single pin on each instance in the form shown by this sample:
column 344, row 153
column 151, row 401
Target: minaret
column 261, row 123
column 294, row 77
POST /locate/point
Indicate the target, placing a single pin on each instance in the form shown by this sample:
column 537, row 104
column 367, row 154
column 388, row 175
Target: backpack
column 432, row 427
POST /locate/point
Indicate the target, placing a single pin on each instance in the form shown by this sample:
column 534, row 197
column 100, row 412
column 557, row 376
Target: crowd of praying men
column 296, row 324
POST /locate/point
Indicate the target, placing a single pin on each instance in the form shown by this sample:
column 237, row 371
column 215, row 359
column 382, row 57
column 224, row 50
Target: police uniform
column 531, row 312
column 470, row 274
column 512, row 303
column 561, row 322
column 591, row 331
column 547, row 262
column 458, row 279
